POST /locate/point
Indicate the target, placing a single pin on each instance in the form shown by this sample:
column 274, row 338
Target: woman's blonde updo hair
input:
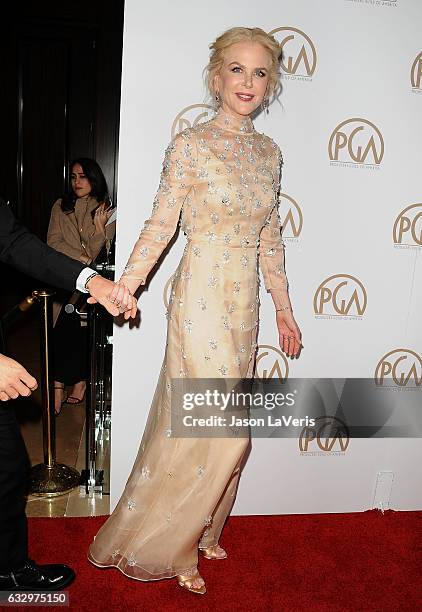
column 235, row 35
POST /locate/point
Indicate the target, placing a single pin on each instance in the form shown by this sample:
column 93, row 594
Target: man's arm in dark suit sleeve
column 24, row 251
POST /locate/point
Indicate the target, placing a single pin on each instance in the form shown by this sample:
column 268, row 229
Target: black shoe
column 33, row 577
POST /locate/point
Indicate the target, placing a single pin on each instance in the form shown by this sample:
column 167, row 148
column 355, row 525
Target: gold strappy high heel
column 212, row 552
column 186, row 582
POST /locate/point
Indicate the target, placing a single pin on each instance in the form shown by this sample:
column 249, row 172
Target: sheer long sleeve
column 271, row 248
column 176, row 183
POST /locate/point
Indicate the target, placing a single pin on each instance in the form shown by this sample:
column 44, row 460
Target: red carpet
column 325, row 562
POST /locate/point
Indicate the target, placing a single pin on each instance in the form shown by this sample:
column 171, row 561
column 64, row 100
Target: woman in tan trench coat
column 78, row 228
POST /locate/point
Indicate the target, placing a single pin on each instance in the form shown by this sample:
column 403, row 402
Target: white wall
column 364, row 51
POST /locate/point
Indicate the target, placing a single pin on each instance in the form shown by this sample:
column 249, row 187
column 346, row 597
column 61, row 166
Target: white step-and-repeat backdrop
column 350, row 128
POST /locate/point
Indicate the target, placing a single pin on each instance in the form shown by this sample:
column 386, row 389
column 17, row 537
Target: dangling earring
column 217, row 100
column 265, row 104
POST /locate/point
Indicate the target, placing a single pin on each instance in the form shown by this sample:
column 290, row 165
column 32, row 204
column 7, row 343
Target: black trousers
column 14, row 466
column 70, row 349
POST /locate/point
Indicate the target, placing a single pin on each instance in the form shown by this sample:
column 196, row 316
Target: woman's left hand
column 101, row 216
column 290, row 336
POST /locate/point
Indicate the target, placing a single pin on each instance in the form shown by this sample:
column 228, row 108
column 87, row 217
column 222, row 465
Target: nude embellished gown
column 221, row 180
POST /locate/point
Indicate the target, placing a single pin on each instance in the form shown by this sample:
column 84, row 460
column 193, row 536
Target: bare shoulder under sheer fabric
column 221, row 179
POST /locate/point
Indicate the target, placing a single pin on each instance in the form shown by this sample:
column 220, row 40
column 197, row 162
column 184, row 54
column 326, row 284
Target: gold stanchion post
column 49, row 479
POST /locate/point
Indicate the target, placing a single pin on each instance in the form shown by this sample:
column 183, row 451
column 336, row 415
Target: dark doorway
column 61, row 70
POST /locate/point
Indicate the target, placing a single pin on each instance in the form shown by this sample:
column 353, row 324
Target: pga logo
column 356, row 141
column 402, row 366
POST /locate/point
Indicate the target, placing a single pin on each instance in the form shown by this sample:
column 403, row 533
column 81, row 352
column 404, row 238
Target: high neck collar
column 86, row 202
column 230, row 123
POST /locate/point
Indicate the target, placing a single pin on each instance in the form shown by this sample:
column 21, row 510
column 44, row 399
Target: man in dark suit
column 26, row 252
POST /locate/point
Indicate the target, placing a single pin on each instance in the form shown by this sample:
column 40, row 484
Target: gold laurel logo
column 327, row 432
column 271, row 363
column 299, row 56
column 356, row 141
column 416, row 72
column 191, row 116
column 291, row 216
column 340, row 295
column 400, row 365
column 407, row 228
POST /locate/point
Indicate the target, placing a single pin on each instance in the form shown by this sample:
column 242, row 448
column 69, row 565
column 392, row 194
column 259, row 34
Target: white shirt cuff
column 82, row 278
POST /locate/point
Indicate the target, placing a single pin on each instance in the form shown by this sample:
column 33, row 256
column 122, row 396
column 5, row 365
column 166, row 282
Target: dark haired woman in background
column 78, row 228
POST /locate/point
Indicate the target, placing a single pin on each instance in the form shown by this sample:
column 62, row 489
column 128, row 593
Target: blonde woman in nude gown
column 222, row 179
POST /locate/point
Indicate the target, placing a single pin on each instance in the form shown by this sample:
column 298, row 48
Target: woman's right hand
column 101, row 216
column 131, row 283
column 121, row 295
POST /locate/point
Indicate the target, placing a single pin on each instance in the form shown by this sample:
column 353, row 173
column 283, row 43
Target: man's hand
column 14, row 380
column 115, row 297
